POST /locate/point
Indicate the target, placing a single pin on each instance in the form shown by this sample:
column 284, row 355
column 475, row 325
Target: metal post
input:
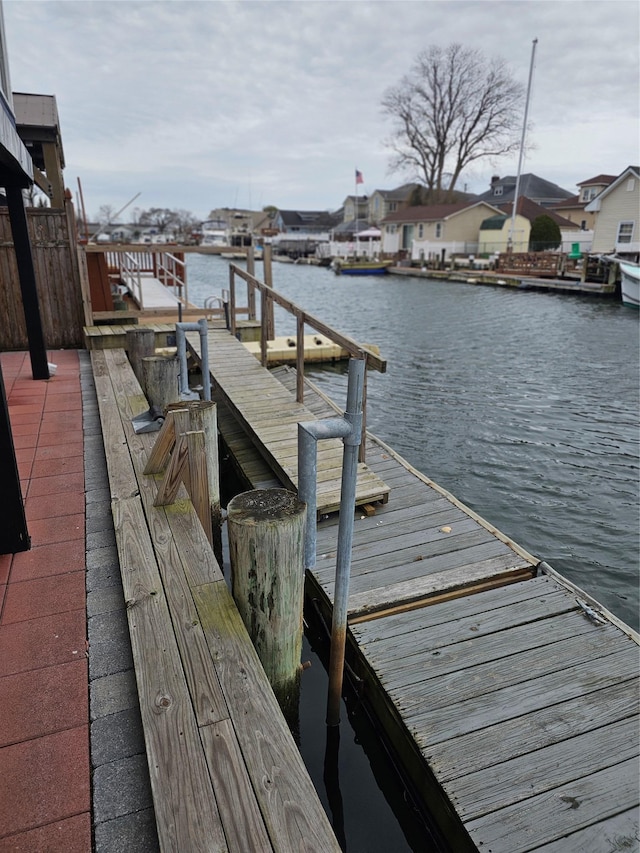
column 349, row 428
column 181, row 344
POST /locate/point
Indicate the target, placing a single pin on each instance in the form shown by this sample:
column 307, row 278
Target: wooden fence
column 55, row 261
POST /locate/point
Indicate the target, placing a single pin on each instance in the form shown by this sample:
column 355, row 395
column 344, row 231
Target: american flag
column 359, row 178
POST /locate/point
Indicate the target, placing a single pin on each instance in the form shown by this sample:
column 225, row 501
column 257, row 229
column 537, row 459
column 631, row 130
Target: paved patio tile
column 54, row 559
column 52, row 506
column 62, row 698
column 72, row 835
column 44, row 780
column 33, row 599
column 45, row 531
column 39, row 643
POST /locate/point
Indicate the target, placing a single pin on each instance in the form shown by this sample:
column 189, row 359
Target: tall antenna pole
column 521, row 157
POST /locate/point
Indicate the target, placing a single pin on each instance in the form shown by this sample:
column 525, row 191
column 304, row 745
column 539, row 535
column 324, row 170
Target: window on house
column 391, row 229
column 583, row 225
column 497, row 190
column 589, row 193
column 438, row 229
column 625, row 232
column 420, row 232
column 631, row 185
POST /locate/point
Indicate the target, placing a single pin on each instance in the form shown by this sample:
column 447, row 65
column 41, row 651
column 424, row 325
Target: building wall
column 622, row 204
column 492, row 241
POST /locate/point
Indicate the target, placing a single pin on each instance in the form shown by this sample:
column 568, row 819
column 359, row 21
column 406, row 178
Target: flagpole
column 520, row 158
column 356, row 234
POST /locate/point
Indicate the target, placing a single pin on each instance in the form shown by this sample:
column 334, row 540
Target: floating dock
column 509, row 696
column 518, row 282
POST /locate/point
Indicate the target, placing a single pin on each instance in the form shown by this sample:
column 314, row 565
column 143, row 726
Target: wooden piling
column 140, row 343
column 266, row 546
column 160, row 380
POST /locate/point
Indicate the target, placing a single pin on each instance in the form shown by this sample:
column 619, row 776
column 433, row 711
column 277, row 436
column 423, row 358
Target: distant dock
column 518, row 282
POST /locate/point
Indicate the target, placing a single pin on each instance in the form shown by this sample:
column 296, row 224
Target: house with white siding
column 435, row 231
column 617, row 227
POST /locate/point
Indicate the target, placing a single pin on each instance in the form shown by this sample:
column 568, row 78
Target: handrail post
column 300, row 358
column 232, row 300
column 349, row 428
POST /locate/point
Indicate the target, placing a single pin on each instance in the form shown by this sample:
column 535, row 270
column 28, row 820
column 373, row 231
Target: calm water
column 524, row 405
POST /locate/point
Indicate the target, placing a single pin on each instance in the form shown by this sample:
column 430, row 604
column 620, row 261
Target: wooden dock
column 270, row 414
column 149, row 292
column 225, row 772
column 509, row 696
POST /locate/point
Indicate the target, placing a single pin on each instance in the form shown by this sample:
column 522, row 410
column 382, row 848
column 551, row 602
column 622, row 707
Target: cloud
column 202, row 104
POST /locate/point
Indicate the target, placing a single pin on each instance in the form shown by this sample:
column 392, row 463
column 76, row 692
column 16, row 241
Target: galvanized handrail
column 267, row 296
column 349, row 429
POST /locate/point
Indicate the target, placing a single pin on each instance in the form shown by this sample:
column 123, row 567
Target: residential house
column 304, row 221
column 617, row 227
column 424, row 232
column 381, row 203
column 574, row 208
column 351, row 216
column 531, row 186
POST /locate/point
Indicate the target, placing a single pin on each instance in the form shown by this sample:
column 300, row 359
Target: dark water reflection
column 524, row 405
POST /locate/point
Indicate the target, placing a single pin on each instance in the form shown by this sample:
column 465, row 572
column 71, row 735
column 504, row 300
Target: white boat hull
column 630, row 284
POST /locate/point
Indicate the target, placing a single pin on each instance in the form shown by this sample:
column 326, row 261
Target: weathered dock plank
column 514, row 712
column 197, row 670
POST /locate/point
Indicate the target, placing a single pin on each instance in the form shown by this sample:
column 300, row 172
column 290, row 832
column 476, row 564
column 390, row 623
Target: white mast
column 521, row 157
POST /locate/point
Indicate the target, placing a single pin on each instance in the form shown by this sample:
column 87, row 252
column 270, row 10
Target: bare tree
column 160, row 217
column 185, row 224
column 453, row 107
column 106, row 214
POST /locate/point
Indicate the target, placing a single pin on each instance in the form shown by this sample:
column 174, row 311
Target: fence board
column 57, row 281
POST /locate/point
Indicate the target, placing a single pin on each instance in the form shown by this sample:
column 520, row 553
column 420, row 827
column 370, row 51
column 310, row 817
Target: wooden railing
column 269, row 296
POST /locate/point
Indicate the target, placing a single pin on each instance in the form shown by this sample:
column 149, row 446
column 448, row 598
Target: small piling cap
column 264, row 505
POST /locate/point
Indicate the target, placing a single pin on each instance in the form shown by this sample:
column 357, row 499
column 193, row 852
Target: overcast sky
column 198, row 105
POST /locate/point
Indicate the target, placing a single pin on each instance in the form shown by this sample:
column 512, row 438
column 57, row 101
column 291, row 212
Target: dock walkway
column 270, row 414
column 225, row 772
column 149, row 292
column 510, row 697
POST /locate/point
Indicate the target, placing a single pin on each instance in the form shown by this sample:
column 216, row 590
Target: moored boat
column 630, row 283
column 360, row 267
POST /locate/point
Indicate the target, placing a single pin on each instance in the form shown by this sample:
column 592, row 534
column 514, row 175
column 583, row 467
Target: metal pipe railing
column 181, row 343
column 267, row 297
column 349, row 429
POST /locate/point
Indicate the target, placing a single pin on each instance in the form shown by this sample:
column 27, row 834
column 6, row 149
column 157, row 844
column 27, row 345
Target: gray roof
column 531, row 186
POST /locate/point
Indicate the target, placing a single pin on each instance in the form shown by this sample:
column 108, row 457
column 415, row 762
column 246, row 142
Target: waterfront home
column 618, row 211
column 437, row 231
column 574, row 208
column 543, row 192
column 305, row 221
column 383, row 202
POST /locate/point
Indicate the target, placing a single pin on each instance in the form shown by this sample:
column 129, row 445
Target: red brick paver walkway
column 44, row 734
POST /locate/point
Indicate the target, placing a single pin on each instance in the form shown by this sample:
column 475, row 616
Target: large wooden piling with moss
column 266, row 547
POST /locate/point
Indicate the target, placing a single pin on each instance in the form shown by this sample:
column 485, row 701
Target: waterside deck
column 510, row 697
column 225, row 772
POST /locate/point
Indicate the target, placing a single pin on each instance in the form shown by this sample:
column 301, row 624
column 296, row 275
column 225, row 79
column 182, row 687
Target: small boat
column 630, row 283
column 360, row 267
